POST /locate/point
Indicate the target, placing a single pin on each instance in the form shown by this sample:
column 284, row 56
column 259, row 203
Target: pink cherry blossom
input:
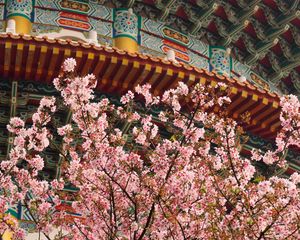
column 37, row 162
column 15, row 124
column 69, row 65
column 127, row 98
column 173, row 173
column 295, row 178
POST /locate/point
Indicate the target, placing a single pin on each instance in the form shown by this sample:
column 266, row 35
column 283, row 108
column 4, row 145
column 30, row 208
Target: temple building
column 251, row 45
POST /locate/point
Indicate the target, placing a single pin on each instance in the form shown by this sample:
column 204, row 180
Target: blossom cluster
column 173, row 174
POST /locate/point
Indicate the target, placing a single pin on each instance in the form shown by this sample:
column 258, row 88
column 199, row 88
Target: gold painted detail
column 126, row 44
column 23, row 25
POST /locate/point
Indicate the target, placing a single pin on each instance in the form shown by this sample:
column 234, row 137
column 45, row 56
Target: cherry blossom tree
column 181, row 175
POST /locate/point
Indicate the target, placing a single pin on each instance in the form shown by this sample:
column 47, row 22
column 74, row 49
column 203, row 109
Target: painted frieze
column 166, row 38
column 155, row 36
column 198, row 46
column 151, row 42
column 19, row 8
column 219, row 60
column 73, row 21
column 126, row 24
column 74, row 6
column 176, row 41
column 198, row 61
column 175, row 36
column 89, row 8
column 153, row 27
column 100, row 11
column 46, row 17
column 102, row 28
column 181, row 52
column 47, row 4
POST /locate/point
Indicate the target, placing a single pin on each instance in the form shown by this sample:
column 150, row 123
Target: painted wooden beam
column 261, row 49
column 204, row 18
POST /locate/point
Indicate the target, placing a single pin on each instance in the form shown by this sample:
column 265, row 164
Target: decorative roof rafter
column 204, row 18
column 262, row 34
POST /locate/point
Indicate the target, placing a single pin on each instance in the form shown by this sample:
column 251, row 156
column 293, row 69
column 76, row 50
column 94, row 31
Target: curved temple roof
column 28, row 58
column 264, row 34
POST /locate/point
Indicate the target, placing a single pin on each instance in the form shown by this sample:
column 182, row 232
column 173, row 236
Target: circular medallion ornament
column 219, row 61
column 19, row 7
column 126, row 24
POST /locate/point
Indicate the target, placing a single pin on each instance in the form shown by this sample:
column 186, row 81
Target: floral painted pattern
column 219, row 61
column 126, row 24
column 19, row 7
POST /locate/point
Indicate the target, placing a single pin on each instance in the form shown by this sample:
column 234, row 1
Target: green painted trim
column 18, row 14
column 74, row 11
column 139, row 23
column 113, row 14
column 12, row 212
column 125, row 35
